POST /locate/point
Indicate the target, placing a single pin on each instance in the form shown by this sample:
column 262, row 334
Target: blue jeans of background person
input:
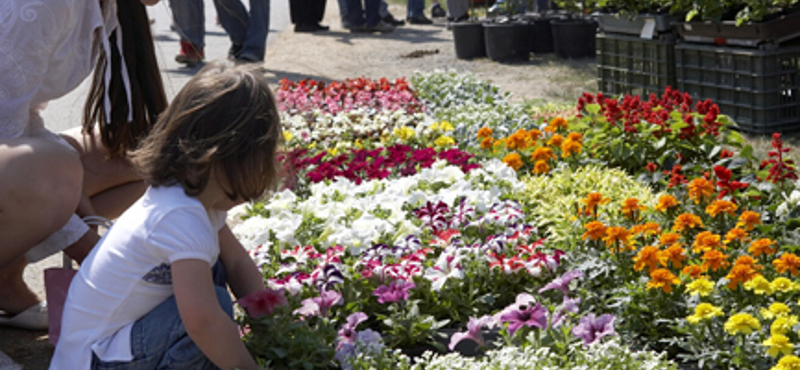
column 190, row 21
column 415, row 8
column 159, row 339
column 247, row 31
column 366, row 14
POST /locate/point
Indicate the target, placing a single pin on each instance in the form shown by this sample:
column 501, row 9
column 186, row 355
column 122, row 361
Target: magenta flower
column 395, row 291
column 263, row 302
column 473, row 331
column 569, row 305
column 318, row 306
column 562, row 282
column 347, row 334
column 592, row 328
column 530, row 316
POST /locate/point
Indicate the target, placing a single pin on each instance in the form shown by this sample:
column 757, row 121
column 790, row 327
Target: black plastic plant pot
column 540, row 35
column 468, row 37
column 506, row 42
column 574, row 38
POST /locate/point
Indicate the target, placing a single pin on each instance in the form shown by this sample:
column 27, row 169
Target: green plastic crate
column 758, row 89
column 635, row 66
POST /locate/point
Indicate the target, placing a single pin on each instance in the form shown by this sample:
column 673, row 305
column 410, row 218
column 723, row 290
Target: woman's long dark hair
column 148, row 99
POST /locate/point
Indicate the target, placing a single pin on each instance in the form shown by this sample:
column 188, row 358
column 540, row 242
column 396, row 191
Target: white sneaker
column 6, row 363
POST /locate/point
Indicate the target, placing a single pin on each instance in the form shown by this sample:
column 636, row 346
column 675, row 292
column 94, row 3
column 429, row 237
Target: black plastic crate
column 758, row 89
column 635, row 66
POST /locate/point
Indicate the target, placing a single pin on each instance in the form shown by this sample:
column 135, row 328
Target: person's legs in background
column 189, row 18
column 457, row 10
column 416, row 12
column 387, row 17
column 247, row 31
column 436, row 10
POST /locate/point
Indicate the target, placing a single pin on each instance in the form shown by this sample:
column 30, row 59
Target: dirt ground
column 338, row 54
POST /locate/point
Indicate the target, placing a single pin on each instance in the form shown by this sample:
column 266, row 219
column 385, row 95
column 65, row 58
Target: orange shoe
column 189, row 54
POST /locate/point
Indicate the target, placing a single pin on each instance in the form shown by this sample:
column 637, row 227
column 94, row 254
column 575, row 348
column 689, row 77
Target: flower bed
column 570, row 241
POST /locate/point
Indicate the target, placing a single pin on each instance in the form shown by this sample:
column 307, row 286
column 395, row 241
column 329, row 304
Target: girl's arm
column 243, row 275
column 214, row 332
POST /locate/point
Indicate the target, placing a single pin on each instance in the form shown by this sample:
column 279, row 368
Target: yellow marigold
column 721, row 206
column 749, row 220
column 714, row 260
column 787, row 262
column 700, row 188
column 701, row 286
column 444, row 141
column 778, row 344
column 704, row 241
column 736, row 234
column 405, row 132
column 288, row 136
column 704, row 311
column 694, row 271
column 487, row 143
column 595, row 230
column 540, row 167
column 617, row 238
column 513, row 160
column 542, row 154
column 759, row 285
column 686, row 221
column 631, row 207
column 485, row 132
column 534, row 134
column 591, row 201
column 762, row 246
column 575, row 136
column 743, row 323
column 665, row 202
column 788, row 362
column 517, row 140
column 556, row 124
column 669, row 238
column 783, row 324
column 555, row 140
column 674, row 255
column 776, row 309
column 570, row 147
column 648, row 256
column 664, row 279
column 446, row 126
column 782, row 284
column 740, row 274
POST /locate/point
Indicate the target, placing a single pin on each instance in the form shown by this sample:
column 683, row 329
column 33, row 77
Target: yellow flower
column 700, row 188
column 736, row 234
column 540, row 167
column 778, row 344
column 664, row 279
column 762, row 246
column 358, row 144
column 759, row 285
column 686, row 221
column 783, row 324
column 776, row 309
column 787, row 262
column 631, row 207
column 314, row 145
column 666, row 202
column 405, row 133
column 704, row 311
column 782, row 284
column 287, row 136
column 542, row 154
column 555, row 140
column 721, row 206
column 444, row 141
column 485, row 132
column 743, row 323
column 513, row 160
column 749, row 220
column 648, row 256
column 701, row 286
column 446, row 126
column 788, row 362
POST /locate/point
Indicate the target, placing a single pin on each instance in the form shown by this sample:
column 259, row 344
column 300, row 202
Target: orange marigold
column 648, row 256
column 669, row 238
column 721, row 206
column 647, row 229
column 485, row 132
column 591, row 201
column 617, row 238
column 749, row 220
column 534, row 134
column 675, row 255
column 787, row 262
column 714, row 260
column 664, row 279
column 542, row 154
column 575, row 136
column 555, row 140
column 704, row 241
column 740, row 274
column 518, row 140
column 555, row 124
column 762, row 246
column 540, row 167
column 694, row 271
column 631, row 207
column 595, row 230
column 700, row 188
column 736, row 234
column 570, row 147
column 486, row 143
column 513, row 160
column 666, row 202
column 686, row 221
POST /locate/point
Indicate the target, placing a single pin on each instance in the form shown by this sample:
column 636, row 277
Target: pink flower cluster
column 338, row 96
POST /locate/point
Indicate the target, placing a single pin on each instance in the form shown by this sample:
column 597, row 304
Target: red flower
column 263, row 302
column 652, row 167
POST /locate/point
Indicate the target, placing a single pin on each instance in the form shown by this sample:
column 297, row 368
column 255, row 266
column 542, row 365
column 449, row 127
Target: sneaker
column 394, row 21
column 358, row 29
column 189, row 54
column 320, row 27
column 419, row 20
column 381, row 27
column 437, row 11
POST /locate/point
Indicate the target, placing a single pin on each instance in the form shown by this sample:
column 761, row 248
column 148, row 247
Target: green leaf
column 691, row 14
column 593, row 108
column 746, row 152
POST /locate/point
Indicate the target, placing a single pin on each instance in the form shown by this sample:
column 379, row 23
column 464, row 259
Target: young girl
column 146, row 296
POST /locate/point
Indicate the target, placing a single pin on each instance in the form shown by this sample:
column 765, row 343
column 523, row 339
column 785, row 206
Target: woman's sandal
column 33, row 318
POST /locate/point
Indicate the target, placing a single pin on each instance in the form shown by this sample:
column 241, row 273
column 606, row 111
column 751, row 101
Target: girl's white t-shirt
column 128, row 274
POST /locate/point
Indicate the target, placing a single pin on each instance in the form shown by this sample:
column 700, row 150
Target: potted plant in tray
column 506, row 35
column 574, row 36
column 468, row 36
column 630, row 16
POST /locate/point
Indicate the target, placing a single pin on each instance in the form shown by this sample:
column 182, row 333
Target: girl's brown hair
column 147, row 98
column 224, row 119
